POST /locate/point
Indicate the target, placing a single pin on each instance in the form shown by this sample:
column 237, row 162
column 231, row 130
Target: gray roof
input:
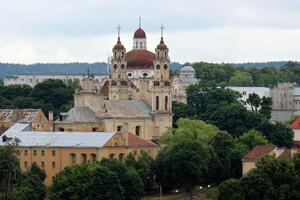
column 126, row 109
column 80, row 114
column 187, row 69
column 56, row 139
column 297, row 91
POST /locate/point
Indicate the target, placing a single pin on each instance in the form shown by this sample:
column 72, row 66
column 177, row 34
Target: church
column 136, row 98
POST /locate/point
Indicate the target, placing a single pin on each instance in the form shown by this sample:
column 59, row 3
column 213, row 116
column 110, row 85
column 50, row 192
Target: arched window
column 136, row 44
column 119, row 128
column 158, row 54
column 123, row 66
column 166, row 102
column 121, row 156
column 115, row 54
column 165, row 67
column 61, row 129
column 165, row 54
column 141, row 44
column 138, row 130
column 157, row 67
column 145, row 74
column 157, row 103
column 122, row 54
column 115, row 67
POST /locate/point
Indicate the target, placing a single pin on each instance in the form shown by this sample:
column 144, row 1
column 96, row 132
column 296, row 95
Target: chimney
column 50, row 120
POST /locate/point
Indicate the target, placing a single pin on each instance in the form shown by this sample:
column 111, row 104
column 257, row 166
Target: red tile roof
column 136, row 141
column 295, row 123
column 258, row 152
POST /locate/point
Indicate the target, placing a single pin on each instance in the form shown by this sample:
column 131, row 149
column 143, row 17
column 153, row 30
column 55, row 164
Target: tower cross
column 162, row 30
column 140, row 21
column 118, row 28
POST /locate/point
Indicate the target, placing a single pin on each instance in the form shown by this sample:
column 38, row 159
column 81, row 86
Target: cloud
column 85, row 30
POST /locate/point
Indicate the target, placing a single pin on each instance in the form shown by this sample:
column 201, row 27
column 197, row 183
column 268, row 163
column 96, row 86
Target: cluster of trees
column 48, row 95
column 222, row 108
column 272, row 179
column 226, row 74
column 16, row 184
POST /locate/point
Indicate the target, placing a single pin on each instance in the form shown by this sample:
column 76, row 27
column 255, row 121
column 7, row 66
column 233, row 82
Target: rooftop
column 18, row 115
column 80, row 114
column 126, row 109
column 258, row 152
column 295, row 124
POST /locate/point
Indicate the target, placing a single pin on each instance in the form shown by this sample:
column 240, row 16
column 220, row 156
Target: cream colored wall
column 79, row 127
column 247, row 166
column 296, row 134
column 91, row 100
column 145, row 124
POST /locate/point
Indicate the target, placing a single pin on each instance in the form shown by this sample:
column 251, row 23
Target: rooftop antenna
column 140, row 21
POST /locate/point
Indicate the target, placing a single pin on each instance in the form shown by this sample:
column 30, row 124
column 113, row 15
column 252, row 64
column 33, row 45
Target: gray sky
column 34, row 31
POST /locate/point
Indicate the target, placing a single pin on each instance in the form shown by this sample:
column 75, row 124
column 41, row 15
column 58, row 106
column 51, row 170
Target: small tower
column 119, row 85
column 139, row 38
column 161, row 90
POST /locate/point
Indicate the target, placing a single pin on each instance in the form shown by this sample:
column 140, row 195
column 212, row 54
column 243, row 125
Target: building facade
column 187, row 77
column 53, row 151
column 33, row 79
column 142, row 104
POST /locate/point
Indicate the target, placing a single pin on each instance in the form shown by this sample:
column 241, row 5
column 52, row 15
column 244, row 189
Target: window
column 158, row 54
column 166, row 102
column 53, row 153
column 157, row 67
column 42, row 164
column 141, row 44
column 94, row 129
column 165, row 67
column 61, row 129
column 93, row 157
column 53, row 164
column 157, row 103
column 111, row 156
column 137, row 130
column 134, row 153
column 145, row 74
column 119, row 128
column 136, row 44
column 73, row 158
column 43, row 153
column 165, row 54
column 83, row 158
column 121, row 156
column 244, row 93
column 122, row 66
column 26, row 164
column 129, row 75
column 34, row 152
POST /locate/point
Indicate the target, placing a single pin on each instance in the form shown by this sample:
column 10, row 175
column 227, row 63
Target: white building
column 245, row 91
column 33, row 79
column 180, row 83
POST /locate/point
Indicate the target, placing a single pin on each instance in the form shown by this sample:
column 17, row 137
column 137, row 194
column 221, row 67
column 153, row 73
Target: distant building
column 295, row 126
column 35, row 117
column 249, row 160
column 33, row 79
column 245, row 91
column 187, row 77
column 53, row 151
column 286, row 101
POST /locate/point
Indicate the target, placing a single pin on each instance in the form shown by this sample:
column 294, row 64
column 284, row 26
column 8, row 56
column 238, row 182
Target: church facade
column 137, row 97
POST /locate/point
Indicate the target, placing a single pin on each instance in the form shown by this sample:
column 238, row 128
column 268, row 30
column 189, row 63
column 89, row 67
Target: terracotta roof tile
column 136, row 141
column 258, row 152
column 295, row 123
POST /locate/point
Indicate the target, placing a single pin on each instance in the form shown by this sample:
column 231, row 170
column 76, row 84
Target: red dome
column 140, row 59
column 140, row 33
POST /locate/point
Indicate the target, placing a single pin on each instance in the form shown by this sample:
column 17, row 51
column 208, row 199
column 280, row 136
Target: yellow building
column 53, row 151
column 138, row 94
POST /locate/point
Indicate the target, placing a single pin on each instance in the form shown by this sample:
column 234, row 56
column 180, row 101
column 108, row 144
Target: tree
column 230, row 190
column 31, row 185
column 241, row 79
column 180, row 110
column 266, row 107
column 130, row 180
column 192, row 129
column 253, row 138
column 144, row 167
column 254, row 101
column 87, row 181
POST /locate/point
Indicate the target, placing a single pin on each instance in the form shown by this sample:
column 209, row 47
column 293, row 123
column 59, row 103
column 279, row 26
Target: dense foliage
column 273, row 179
column 226, row 74
column 49, row 95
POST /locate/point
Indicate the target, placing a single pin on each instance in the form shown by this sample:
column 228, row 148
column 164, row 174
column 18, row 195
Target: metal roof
column 56, row 139
column 80, row 114
column 297, row 91
column 126, row 109
column 187, row 69
column 189, row 79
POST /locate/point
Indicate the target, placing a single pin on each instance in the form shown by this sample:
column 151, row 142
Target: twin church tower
column 138, row 95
